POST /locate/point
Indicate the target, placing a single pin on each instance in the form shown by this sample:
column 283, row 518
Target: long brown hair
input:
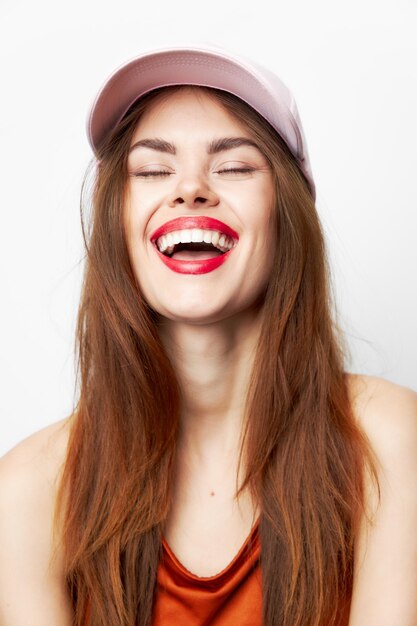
column 305, row 455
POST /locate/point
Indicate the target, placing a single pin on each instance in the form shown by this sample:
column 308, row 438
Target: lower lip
column 202, row 266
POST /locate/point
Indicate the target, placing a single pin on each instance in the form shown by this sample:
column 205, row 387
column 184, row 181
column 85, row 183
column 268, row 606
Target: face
column 199, row 210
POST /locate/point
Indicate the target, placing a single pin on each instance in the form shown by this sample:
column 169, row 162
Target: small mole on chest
column 212, row 493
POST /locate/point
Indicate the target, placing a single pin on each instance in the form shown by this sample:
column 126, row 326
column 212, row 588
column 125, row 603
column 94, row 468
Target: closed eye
column 236, row 170
column 151, row 173
column 231, row 170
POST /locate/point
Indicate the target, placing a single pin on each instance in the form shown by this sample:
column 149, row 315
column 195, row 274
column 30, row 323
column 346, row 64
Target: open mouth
column 194, row 244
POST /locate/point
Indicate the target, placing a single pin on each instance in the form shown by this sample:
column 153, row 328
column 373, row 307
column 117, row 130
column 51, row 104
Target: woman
column 221, row 466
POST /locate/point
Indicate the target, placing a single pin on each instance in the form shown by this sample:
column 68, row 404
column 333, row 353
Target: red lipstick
column 198, row 266
column 194, row 221
column 202, row 266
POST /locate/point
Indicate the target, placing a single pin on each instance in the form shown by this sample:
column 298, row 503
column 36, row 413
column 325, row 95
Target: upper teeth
column 167, row 242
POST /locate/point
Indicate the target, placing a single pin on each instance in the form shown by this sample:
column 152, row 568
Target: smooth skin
column 211, row 333
column 212, row 329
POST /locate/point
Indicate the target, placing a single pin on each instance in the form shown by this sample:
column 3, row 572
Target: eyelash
column 242, row 170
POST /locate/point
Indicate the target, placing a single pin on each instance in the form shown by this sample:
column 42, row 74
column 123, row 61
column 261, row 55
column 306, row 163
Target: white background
column 352, row 68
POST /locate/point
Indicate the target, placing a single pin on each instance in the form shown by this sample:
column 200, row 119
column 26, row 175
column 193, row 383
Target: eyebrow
column 215, row 146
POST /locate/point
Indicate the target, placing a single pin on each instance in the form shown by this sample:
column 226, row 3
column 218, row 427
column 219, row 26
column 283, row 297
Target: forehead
column 189, row 108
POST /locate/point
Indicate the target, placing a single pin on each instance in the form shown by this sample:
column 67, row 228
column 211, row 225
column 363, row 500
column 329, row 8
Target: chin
column 202, row 315
column 197, row 318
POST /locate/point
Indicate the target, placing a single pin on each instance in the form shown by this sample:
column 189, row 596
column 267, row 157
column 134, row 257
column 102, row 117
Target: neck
column 213, row 363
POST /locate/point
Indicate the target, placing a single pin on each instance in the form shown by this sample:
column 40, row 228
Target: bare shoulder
column 387, row 414
column 386, row 411
column 385, row 575
column 29, row 558
column 48, row 444
column 31, row 469
column 369, row 390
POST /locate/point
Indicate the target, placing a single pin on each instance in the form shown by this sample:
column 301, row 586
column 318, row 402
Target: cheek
column 267, row 237
column 134, row 220
column 264, row 218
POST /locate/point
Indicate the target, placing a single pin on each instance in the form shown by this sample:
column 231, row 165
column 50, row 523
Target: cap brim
column 262, row 90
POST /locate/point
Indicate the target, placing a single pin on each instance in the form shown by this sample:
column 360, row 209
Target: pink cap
column 208, row 66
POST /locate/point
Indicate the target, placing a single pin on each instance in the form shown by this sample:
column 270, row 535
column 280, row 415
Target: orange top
column 233, row 596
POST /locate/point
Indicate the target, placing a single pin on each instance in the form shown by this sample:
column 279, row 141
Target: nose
column 194, row 192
